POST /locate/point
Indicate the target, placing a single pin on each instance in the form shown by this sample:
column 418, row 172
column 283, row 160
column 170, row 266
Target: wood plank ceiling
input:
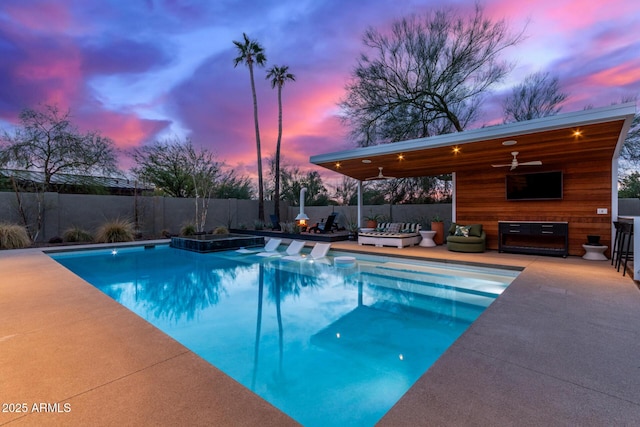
column 552, row 147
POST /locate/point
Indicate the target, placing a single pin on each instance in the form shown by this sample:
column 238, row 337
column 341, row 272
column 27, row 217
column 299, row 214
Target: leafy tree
column 428, row 189
column 48, row 142
column 424, row 77
column 346, row 191
column 279, row 76
column 250, row 52
column 166, row 165
column 232, row 186
column 293, row 180
column 630, row 186
column 538, row 96
column 630, row 153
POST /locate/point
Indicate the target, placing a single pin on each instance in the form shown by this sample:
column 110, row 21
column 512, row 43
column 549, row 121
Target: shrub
column 221, row 230
column 13, row 236
column 258, row 225
column 76, row 234
column 290, row 227
column 115, row 231
column 55, row 240
column 188, row 230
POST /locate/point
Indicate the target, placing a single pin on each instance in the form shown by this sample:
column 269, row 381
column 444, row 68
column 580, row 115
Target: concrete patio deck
column 561, row 346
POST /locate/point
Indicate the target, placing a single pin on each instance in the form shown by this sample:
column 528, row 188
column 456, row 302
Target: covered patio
column 584, row 146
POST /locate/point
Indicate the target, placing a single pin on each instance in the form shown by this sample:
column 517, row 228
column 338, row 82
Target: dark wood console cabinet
column 536, row 238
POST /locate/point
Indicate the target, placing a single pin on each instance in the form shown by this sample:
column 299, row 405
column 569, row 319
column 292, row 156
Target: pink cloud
column 41, row 16
column 624, row 74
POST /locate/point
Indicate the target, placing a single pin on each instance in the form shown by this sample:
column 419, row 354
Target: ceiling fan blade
column 379, row 176
column 502, row 166
column 533, row 163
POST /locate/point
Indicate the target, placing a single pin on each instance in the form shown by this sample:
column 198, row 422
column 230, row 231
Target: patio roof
column 546, row 139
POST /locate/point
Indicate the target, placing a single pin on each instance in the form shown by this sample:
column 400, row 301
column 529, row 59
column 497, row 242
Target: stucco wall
column 156, row 214
column 152, row 214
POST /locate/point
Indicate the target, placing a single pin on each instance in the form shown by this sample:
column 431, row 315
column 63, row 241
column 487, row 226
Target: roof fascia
column 578, row 118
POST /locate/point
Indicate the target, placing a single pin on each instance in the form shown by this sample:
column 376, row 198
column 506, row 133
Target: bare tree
column 47, row 141
column 424, row 77
column 538, row 96
column 203, row 169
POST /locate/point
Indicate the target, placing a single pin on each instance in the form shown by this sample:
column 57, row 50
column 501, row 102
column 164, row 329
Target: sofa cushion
column 468, row 240
column 475, row 230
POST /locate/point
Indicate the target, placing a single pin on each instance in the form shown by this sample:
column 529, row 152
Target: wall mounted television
column 534, row 186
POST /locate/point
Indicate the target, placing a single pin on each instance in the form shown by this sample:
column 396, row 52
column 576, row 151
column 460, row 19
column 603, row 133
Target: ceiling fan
column 514, row 163
column 379, row 176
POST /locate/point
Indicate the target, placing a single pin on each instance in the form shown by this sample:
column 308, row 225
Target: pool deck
column 561, row 346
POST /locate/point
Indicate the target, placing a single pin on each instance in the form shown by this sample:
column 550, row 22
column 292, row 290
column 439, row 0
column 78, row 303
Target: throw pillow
column 462, row 230
column 393, row 227
column 452, row 229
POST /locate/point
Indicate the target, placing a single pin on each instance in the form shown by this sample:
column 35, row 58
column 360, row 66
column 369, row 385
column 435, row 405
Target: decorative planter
column 438, row 227
column 371, row 223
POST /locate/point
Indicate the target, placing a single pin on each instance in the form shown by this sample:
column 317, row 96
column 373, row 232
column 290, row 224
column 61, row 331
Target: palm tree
column 250, row 52
column 279, row 76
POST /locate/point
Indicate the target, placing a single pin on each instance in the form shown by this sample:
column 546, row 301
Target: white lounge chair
column 319, row 251
column 271, row 246
column 294, row 248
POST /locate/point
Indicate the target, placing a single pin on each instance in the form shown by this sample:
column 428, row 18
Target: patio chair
column 294, row 248
column 319, row 251
column 325, row 227
column 275, row 222
column 270, row 246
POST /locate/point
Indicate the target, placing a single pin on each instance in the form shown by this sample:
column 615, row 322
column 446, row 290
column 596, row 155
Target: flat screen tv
column 535, row 186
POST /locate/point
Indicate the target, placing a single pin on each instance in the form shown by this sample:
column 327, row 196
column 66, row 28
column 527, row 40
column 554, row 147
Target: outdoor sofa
column 399, row 234
column 466, row 238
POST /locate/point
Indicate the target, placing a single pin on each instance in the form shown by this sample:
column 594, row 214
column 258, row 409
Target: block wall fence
column 157, row 214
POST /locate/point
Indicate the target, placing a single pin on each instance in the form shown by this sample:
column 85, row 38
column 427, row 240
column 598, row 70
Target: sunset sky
column 144, row 70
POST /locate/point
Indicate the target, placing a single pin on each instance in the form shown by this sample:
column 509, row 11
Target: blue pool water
column 327, row 345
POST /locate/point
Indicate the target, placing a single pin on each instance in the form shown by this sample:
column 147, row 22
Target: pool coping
column 559, row 346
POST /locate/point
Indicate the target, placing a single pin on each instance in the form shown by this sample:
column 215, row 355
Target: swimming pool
column 327, row 345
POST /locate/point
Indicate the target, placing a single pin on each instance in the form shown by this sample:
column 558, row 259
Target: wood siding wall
column 480, row 198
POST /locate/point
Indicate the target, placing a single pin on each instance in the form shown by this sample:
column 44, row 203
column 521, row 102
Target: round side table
column 427, row 239
column 594, row 252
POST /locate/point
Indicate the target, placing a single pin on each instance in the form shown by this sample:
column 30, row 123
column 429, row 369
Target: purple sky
column 139, row 71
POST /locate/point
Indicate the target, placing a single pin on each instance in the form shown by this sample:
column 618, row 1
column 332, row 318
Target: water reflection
column 313, row 339
column 284, row 279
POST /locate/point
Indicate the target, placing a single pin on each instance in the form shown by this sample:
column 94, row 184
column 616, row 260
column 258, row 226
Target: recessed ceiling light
column 510, row 142
column 367, row 161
